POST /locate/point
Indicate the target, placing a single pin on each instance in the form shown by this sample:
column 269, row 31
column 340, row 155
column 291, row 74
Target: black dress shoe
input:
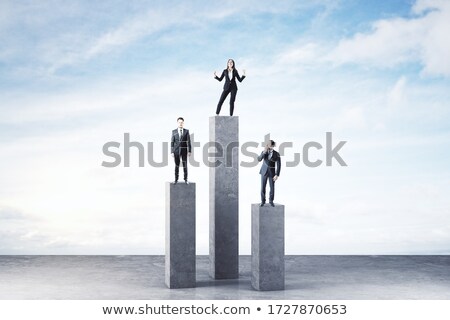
column 271, row 203
column 175, row 182
column 262, row 204
column 185, row 181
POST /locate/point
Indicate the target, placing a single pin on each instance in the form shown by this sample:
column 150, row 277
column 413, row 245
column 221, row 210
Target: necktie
column 181, row 133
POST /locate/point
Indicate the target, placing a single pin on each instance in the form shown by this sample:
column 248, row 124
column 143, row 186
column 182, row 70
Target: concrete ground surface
column 142, row 278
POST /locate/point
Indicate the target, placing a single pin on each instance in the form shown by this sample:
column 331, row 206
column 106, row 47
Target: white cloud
column 422, row 38
column 391, row 42
column 396, row 96
column 10, row 213
column 110, row 95
column 350, row 118
column 88, row 34
column 129, row 31
column 305, row 53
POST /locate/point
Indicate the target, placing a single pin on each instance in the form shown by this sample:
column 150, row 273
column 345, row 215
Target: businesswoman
column 230, row 86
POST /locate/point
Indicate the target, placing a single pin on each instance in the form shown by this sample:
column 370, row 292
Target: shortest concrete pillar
column 268, row 247
column 180, row 235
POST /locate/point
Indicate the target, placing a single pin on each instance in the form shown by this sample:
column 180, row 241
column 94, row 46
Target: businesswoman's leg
column 221, row 100
column 232, row 99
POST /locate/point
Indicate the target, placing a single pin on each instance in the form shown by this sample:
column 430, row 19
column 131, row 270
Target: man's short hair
column 180, row 118
column 272, row 143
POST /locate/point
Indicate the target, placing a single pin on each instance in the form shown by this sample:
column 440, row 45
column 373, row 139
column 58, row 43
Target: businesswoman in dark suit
column 230, row 86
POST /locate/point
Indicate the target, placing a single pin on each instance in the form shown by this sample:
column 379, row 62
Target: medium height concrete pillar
column 268, row 247
column 224, row 197
column 180, row 235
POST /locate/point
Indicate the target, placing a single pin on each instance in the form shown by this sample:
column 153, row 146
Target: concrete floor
column 142, row 277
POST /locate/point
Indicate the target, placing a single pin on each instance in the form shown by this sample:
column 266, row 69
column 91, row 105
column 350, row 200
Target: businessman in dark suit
column 270, row 170
column 230, row 74
column 181, row 148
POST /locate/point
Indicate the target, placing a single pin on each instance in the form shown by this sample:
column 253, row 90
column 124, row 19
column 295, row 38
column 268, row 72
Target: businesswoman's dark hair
column 234, row 65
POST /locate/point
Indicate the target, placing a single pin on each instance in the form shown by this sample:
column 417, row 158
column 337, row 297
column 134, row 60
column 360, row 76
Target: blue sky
column 76, row 75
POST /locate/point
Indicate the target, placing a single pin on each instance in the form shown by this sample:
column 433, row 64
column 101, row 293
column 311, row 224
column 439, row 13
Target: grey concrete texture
column 307, row 278
column 224, row 198
column 180, row 270
column 268, row 247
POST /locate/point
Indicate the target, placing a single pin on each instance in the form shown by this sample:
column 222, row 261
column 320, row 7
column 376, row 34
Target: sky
column 76, row 75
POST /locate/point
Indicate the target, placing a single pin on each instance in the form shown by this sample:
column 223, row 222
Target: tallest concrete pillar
column 224, row 197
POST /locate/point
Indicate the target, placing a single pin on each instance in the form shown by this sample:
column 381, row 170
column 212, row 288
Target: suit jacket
column 269, row 165
column 182, row 145
column 230, row 83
